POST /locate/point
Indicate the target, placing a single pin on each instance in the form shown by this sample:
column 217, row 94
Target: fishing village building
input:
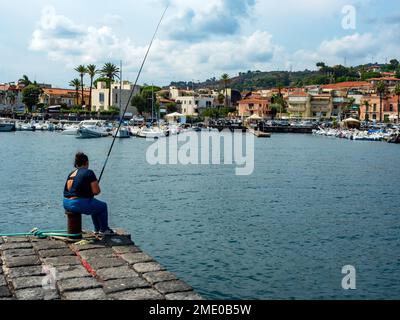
column 370, row 108
column 119, row 96
column 254, row 105
column 62, row 97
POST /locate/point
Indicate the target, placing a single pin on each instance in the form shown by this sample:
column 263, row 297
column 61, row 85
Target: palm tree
column 25, row 81
column 76, row 83
column 91, row 71
column 225, row 79
column 82, row 70
column 109, row 71
column 366, row 104
column 381, row 90
column 397, row 92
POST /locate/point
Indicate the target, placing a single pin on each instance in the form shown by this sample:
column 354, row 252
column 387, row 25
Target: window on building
column 374, row 116
column 101, row 97
column 197, row 102
column 391, row 108
column 374, row 107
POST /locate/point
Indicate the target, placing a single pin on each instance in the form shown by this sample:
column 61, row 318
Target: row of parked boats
column 388, row 135
column 90, row 129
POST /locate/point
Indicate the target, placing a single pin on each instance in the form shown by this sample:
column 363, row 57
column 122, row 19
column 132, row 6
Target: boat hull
column 7, row 127
column 84, row 133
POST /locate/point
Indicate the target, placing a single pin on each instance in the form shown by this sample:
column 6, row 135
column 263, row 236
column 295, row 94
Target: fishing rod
column 132, row 92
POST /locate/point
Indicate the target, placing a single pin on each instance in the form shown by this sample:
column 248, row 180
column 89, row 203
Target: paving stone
column 55, row 253
column 79, row 284
column 3, row 281
column 62, row 261
column 49, row 245
column 173, row 286
column 4, row 292
column 118, row 285
column 116, row 273
column 159, row 276
column 114, row 241
column 133, row 258
column 138, row 294
column 182, row 296
column 25, row 271
column 148, row 267
column 93, row 253
column 17, row 245
column 91, row 246
column 22, row 261
column 71, row 272
column 126, row 249
column 93, row 294
column 37, row 294
column 28, row 282
column 19, row 253
column 104, row 262
column 17, row 239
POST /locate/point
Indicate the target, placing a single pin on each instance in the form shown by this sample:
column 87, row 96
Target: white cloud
column 71, row 43
column 74, row 44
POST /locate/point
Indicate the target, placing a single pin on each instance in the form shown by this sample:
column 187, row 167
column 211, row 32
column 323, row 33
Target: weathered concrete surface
column 116, row 273
column 118, row 285
column 110, row 269
column 159, row 276
column 139, row 294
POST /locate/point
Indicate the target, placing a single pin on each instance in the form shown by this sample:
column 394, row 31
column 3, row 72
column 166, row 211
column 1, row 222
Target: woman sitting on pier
column 79, row 192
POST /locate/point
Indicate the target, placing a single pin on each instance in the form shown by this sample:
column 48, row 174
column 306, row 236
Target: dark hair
column 81, row 159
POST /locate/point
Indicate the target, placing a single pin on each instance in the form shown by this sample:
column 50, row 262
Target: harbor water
column 312, row 206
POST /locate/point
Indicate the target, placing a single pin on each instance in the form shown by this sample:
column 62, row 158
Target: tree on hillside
column 91, row 71
column 394, row 64
column 76, row 84
column 82, row 70
column 30, row 96
column 109, row 71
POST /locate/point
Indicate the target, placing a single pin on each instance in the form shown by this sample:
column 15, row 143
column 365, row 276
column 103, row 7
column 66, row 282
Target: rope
column 42, row 234
column 132, row 91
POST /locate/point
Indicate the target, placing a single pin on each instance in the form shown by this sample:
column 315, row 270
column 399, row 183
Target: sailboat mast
column 120, row 91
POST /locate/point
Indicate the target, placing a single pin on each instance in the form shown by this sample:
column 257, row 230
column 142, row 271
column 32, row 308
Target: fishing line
column 132, row 92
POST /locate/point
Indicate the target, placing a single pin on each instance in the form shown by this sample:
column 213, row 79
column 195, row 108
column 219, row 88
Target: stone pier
column 110, row 269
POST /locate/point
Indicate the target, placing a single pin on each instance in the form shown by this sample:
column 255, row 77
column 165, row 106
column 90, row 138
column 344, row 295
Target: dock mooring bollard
column 74, row 225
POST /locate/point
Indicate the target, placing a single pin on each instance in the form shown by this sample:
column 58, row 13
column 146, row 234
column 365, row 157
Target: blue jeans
column 92, row 207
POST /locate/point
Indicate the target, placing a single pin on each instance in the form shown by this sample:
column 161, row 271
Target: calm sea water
column 312, row 206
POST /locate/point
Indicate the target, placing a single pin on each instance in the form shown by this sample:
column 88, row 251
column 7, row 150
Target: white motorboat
column 134, row 130
column 92, row 129
column 27, row 127
column 152, row 133
column 71, row 130
column 123, row 133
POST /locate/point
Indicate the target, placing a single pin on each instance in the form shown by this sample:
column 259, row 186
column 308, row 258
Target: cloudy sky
column 198, row 39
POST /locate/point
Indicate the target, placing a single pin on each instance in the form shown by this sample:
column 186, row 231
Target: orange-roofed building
column 57, row 96
column 254, row 105
column 349, row 85
column 302, row 105
column 372, row 112
column 388, row 81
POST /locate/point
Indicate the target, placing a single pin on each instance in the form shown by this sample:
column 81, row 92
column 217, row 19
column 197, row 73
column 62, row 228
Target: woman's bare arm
column 96, row 188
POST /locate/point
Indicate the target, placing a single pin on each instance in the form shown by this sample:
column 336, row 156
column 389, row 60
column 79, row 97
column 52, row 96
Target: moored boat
column 6, row 125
